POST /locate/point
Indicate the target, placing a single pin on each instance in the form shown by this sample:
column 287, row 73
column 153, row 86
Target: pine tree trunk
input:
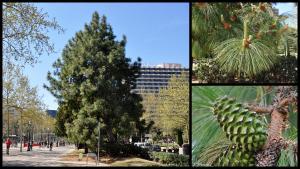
column 270, row 155
column 111, row 137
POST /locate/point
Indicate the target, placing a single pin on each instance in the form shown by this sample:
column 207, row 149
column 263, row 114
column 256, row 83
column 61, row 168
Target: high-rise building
column 155, row 77
column 52, row 113
column 275, row 11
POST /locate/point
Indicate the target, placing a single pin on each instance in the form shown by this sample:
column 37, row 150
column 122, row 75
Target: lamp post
column 32, row 137
column 41, row 136
column 28, row 140
column 16, row 126
column 98, row 144
column 48, row 138
column 7, row 120
column 21, row 135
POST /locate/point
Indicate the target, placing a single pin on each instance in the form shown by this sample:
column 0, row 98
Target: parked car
column 138, row 144
column 155, row 147
column 146, row 145
column 143, row 145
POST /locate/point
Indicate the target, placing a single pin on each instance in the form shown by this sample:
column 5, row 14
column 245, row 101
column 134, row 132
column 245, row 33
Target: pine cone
column 243, row 127
column 236, row 157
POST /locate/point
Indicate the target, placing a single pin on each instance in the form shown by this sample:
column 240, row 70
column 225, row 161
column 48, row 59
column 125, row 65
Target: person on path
column 51, row 144
column 8, row 143
column 31, row 144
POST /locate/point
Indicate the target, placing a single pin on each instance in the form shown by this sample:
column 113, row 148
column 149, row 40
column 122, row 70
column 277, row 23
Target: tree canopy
column 21, row 102
column 92, row 82
column 24, row 35
column 169, row 109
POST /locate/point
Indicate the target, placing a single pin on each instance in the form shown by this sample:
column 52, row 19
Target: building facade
column 52, row 113
column 155, row 77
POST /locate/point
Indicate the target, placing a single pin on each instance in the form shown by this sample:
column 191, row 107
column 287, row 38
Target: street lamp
column 41, row 136
column 48, row 138
column 21, row 130
column 16, row 126
column 32, row 137
column 28, row 140
column 8, row 122
column 98, row 155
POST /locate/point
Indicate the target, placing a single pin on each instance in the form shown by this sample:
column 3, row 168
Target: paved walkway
column 40, row 157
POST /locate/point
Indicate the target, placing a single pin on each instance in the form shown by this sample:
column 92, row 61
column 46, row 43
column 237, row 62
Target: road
column 40, row 157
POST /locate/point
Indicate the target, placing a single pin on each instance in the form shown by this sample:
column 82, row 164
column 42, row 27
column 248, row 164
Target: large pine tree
column 92, row 83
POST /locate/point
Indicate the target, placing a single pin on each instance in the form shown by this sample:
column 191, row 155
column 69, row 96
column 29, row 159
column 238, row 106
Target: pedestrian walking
column 51, row 145
column 8, row 143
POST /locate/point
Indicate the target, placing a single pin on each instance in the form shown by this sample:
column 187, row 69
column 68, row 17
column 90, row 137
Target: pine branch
column 270, row 155
column 260, row 110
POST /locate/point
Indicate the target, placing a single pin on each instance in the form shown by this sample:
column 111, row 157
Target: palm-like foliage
column 208, row 139
column 207, row 28
column 288, row 42
column 218, row 31
column 233, row 57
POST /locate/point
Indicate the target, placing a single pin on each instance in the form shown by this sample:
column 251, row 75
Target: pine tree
column 93, row 83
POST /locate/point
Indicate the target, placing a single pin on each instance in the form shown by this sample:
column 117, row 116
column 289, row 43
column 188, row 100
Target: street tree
column 93, row 82
column 173, row 106
column 25, row 33
column 17, row 92
column 21, row 102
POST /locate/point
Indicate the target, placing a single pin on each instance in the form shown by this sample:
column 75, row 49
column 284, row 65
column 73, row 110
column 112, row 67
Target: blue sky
column 156, row 32
column 288, row 8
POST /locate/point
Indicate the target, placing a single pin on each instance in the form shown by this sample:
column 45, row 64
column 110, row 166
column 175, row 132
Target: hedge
column 125, row 150
column 172, row 159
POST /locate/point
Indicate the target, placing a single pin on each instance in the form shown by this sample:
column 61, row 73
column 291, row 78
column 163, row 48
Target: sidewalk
column 41, row 157
column 80, row 163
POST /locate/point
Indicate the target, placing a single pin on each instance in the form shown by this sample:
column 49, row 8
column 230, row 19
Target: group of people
column 45, row 143
column 8, row 143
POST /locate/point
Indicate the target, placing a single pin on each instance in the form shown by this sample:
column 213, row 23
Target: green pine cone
column 235, row 157
column 243, row 127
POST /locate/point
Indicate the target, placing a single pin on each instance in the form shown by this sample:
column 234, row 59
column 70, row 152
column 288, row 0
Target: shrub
column 170, row 158
column 125, row 150
column 171, row 145
column 208, row 71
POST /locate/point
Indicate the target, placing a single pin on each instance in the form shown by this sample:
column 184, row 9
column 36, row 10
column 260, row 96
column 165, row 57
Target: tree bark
column 110, row 134
column 271, row 152
column 269, row 156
